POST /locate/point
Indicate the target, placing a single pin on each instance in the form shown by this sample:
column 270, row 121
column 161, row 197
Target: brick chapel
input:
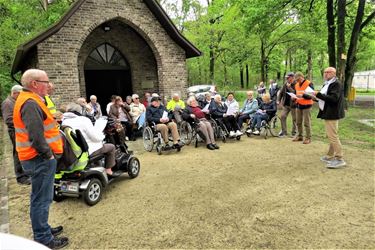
column 106, row 47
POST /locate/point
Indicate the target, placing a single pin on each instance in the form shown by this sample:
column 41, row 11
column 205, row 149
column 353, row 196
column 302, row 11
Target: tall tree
column 331, row 33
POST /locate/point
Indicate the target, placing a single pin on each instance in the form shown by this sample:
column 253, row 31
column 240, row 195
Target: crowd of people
column 32, row 120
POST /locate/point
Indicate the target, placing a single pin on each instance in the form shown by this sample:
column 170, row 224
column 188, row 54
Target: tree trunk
column 321, row 63
column 309, row 64
column 212, row 65
column 241, row 76
column 247, row 75
column 352, row 51
column 341, row 13
column 331, row 34
column 262, row 63
column 200, row 70
column 225, row 70
column 290, row 60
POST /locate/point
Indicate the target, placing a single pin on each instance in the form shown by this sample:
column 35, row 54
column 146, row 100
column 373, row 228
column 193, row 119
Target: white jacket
column 94, row 138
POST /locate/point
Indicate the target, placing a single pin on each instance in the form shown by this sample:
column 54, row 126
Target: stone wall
column 59, row 54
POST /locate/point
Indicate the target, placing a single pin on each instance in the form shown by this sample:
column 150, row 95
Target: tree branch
column 368, row 20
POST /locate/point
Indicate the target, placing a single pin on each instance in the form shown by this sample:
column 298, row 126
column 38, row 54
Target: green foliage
column 20, row 21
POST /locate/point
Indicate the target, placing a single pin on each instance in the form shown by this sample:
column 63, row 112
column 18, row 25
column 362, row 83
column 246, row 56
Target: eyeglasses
column 47, row 82
column 136, row 98
column 328, row 71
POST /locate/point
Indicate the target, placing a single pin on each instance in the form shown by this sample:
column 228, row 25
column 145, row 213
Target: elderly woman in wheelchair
column 267, row 110
column 194, row 114
column 219, row 112
column 158, row 115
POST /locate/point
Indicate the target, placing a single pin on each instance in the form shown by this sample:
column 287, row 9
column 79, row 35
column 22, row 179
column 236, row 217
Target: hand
column 192, row 116
column 277, row 102
column 52, row 157
column 299, row 96
column 225, row 115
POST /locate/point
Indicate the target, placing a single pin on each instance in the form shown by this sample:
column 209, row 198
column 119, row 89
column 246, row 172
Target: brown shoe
column 307, row 141
column 297, row 138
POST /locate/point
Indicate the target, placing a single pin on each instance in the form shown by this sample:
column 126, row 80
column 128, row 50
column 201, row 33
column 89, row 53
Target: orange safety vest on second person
column 51, row 131
column 300, row 90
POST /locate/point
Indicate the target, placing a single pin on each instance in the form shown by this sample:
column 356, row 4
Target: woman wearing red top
column 194, row 112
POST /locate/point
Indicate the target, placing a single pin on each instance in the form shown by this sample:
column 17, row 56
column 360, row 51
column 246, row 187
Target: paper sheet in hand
column 165, row 115
column 292, row 94
column 100, row 124
column 231, row 110
column 309, row 90
column 205, row 109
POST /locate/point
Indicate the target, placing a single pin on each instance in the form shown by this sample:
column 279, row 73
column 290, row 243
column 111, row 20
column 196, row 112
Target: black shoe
column 180, row 144
column 210, row 147
column 215, row 146
column 56, row 230
column 24, row 180
column 58, row 242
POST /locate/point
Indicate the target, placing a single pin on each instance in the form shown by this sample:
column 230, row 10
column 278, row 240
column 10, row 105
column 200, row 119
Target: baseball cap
column 289, row 74
column 155, row 98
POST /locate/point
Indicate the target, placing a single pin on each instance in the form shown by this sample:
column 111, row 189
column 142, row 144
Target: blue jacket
column 249, row 108
column 154, row 114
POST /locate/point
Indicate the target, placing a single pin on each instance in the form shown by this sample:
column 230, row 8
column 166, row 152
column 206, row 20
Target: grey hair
column 217, row 97
column 93, row 97
column 134, row 96
column 16, row 88
column 31, row 75
column 74, row 107
column 190, row 99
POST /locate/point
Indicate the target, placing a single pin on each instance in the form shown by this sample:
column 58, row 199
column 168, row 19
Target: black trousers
column 18, row 170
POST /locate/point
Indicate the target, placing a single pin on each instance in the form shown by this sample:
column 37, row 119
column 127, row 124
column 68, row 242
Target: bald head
column 31, row 75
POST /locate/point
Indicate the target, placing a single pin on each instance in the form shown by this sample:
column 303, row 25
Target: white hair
column 190, row 99
column 31, row 75
column 93, row 97
column 217, row 97
column 16, row 88
column 134, row 96
column 74, row 107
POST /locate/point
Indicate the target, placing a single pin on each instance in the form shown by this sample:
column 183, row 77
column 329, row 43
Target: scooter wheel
column 57, row 197
column 134, row 167
column 93, row 193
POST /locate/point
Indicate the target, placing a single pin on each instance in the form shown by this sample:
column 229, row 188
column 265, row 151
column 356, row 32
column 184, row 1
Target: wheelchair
column 189, row 132
column 221, row 131
column 153, row 138
column 271, row 126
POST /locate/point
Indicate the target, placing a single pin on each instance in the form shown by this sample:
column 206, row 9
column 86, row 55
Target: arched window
column 106, row 56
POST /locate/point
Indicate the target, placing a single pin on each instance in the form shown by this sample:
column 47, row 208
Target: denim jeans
column 141, row 120
column 257, row 121
column 42, row 174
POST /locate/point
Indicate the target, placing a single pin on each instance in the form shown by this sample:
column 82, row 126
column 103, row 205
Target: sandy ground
column 253, row 193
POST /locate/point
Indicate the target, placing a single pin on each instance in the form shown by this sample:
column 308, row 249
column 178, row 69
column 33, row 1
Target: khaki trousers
column 163, row 128
column 304, row 115
column 207, row 130
column 335, row 148
column 283, row 118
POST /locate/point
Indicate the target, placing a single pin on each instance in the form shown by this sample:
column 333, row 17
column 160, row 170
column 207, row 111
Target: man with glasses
column 331, row 110
column 39, row 144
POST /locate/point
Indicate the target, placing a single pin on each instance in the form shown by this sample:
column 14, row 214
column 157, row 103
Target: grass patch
column 351, row 131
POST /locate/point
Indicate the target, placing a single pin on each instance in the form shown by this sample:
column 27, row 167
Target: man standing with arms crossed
column 38, row 143
column 331, row 109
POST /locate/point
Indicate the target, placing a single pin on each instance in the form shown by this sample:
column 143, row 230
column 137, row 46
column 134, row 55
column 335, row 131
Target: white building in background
column 364, row 80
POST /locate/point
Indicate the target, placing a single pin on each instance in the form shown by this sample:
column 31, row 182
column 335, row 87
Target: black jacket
column 154, row 114
column 217, row 111
column 270, row 108
column 334, row 102
column 284, row 98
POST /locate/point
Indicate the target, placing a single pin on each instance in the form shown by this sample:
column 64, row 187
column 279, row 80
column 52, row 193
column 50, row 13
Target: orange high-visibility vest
column 51, row 131
column 300, row 89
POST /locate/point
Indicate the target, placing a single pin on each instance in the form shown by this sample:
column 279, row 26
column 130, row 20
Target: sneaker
column 281, row 134
column 58, row 242
column 56, row 230
column 249, row 131
column 307, row 141
column 336, row 164
column 215, row 146
column 238, row 133
column 232, row 134
column 210, row 147
column 327, row 159
column 180, row 144
column 256, row 132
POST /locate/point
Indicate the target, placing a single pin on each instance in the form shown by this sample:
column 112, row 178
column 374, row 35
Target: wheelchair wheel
column 274, row 126
column 148, row 139
column 186, row 132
